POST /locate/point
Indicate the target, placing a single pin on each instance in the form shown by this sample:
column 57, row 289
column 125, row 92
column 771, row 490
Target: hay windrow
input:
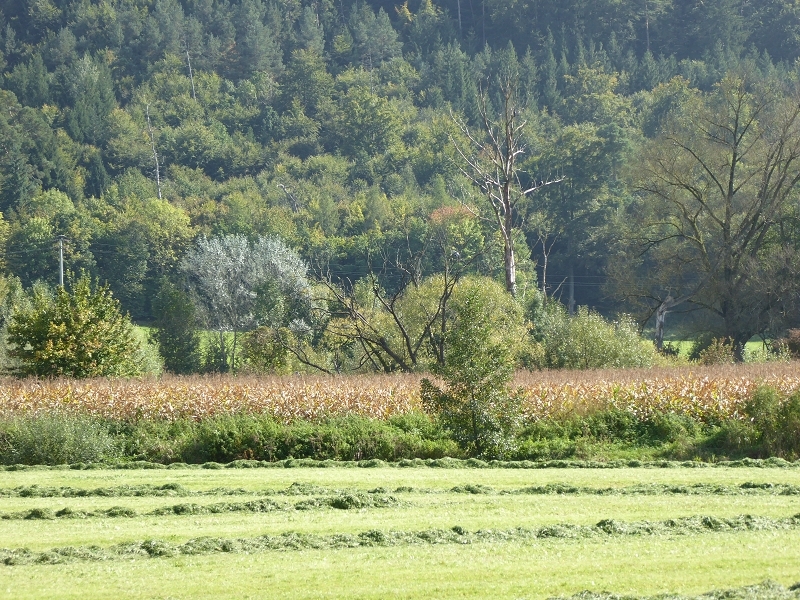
column 379, row 497
column 433, row 463
column 341, row 501
column 695, row 525
column 767, row 590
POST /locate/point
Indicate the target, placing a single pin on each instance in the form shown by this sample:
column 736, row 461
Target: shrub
column 734, row 438
column 776, row 423
column 146, row 355
column 476, row 407
column 226, row 438
column 588, row 341
column 175, row 329
column 230, row 437
column 81, row 333
column 264, row 351
column 719, row 352
column 53, row 439
column 669, row 427
column 777, row 351
column 793, row 342
column 11, row 292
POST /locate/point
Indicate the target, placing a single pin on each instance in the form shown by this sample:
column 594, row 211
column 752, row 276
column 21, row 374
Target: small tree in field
column 477, row 407
column 175, row 329
column 77, row 333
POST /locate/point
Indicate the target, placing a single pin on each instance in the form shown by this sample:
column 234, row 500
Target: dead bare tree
column 155, row 154
column 491, row 162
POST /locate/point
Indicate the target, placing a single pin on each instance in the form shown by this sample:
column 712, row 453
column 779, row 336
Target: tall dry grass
column 285, row 398
column 704, row 393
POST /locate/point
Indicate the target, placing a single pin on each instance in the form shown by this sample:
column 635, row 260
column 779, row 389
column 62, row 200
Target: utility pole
column 61, row 239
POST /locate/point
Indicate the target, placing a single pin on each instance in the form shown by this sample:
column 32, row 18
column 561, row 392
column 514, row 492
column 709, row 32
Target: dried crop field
column 700, row 392
column 421, row 531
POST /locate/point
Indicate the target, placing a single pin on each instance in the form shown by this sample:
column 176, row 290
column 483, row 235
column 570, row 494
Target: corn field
column 704, row 393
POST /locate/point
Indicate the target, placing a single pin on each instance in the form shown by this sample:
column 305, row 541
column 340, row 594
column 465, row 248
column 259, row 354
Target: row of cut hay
column 704, row 393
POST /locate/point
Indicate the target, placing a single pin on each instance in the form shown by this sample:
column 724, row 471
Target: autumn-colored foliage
column 286, row 398
column 704, row 393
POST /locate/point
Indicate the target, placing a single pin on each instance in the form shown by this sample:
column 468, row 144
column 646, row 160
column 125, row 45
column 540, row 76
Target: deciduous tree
column 491, row 161
column 75, row 333
column 715, row 218
column 228, row 272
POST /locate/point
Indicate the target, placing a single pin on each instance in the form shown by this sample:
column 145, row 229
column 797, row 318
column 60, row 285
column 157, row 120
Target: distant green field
column 389, row 532
column 685, row 346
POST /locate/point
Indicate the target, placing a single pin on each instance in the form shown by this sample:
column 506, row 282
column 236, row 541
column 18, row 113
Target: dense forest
column 342, row 141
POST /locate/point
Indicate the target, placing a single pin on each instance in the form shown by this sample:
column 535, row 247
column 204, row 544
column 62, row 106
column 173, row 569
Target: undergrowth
column 769, row 427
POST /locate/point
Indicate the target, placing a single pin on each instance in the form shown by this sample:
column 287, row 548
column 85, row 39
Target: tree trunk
column 511, row 269
column 661, row 319
column 571, row 287
column 508, row 252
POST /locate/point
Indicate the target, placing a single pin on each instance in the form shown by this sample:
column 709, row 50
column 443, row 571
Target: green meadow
column 416, row 532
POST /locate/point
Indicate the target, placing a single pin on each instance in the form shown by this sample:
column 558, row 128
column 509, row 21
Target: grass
column 688, row 563
column 365, row 479
column 684, row 347
column 511, row 570
column 425, row 513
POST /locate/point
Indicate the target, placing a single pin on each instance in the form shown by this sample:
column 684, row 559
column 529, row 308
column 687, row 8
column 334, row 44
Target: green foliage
column 477, row 406
column 240, row 284
column 146, row 354
column 217, row 355
column 77, row 333
column 613, row 433
column 11, row 293
column 777, row 351
column 792, row 342
column 719, row 351
column 54, row 438
column 175, row 329
column 776, row 422
column 588, row 341
column 264, row 350
column 771, row 429
column 349, row 144
column 66, row 438
column 350, row 438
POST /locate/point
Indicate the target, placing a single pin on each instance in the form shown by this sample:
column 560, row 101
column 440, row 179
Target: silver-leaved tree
column 240, row 284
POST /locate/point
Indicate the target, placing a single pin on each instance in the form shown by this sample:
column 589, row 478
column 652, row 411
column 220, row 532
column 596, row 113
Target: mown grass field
column 395, row 532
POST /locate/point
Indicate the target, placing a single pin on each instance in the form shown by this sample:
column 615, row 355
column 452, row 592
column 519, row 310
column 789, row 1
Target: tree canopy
column 336, row 128
column 76, row 333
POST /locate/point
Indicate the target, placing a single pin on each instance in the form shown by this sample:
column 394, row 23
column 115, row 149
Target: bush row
column 59, row 438
column 770, row 427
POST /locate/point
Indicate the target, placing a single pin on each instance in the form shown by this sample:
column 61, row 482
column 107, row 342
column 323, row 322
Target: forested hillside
column 666, row 131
